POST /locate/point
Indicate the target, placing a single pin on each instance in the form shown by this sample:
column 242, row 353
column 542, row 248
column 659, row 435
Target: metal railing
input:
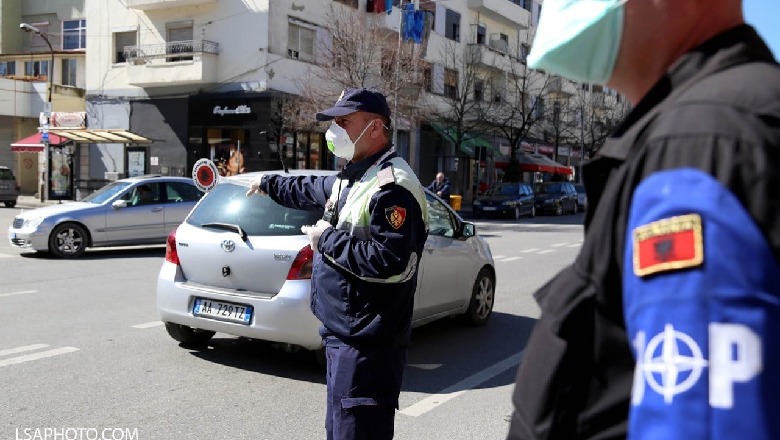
column 171, row 51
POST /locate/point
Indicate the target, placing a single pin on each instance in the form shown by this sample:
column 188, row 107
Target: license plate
column 489, row 208
column 220, row 310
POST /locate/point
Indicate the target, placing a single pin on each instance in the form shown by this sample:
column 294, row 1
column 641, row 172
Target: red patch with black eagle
column 396, row 216
column 668, row 244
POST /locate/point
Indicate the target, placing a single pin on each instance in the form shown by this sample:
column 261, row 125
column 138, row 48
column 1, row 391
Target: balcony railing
column 171, row 51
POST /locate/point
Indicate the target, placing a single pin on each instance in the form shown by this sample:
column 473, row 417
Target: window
column 179, row 40
column 478, row 90
column 524, row 50
column 181, row 192
column 452, row 25
column 69, row 72
column 539, row 108
column 439, row 220
column 481, row 34
column 352, row 3
column 36, row 68
column 7, row 68
column 122, row 40
column 451, row 83
column 300, row 42
column 37, row 41
column 74, row 34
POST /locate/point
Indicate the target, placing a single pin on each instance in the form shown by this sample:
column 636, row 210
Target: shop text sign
column 239, row 110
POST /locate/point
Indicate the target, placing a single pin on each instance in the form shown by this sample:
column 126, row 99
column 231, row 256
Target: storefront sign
column 69, row 119
column 239, row 110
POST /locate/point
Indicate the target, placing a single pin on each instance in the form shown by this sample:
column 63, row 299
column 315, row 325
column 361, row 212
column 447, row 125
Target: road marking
column 8, row 351
column 559, row 244
column 498, row 257
column 36, row 356
column 529, row 250
column 546, row 251
column 425, row 366
column 149, row 324
column 461, row 387
column 18, row 293
column 511, row 259
column 6, row 256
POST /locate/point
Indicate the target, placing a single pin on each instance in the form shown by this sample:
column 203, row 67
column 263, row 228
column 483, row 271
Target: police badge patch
column 396, row 216
column 669, row 244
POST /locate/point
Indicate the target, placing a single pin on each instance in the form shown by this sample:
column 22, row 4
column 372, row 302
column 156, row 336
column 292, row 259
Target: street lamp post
column 47, row 111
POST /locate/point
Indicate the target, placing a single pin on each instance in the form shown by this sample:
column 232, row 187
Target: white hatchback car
column 240, row 265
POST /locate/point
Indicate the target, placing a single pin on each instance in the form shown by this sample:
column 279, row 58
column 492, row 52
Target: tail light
column 171, row 254
column 301, row 266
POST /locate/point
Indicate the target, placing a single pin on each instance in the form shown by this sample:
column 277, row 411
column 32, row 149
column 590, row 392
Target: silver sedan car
column 133, row 211
column 240, row 265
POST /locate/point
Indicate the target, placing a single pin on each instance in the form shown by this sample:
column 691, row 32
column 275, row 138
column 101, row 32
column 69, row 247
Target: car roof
column 246, row 178
column 155, row 177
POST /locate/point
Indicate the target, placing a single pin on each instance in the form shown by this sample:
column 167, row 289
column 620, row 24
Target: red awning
column 538, row 163
column 34, row 144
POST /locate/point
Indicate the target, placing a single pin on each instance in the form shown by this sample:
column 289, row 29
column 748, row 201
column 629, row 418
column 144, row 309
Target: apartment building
column 30, row 62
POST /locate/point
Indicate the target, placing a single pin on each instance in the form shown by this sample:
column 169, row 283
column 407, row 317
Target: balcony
column 173, row 63
column 503, row 10
column 493, row 57
column 559, row 86
column 147, row 5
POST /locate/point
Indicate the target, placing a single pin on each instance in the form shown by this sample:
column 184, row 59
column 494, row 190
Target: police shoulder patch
column 396, row 216
column 668, row 244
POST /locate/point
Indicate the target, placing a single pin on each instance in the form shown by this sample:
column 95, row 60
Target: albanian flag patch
column 669, row 244
column 396, row 216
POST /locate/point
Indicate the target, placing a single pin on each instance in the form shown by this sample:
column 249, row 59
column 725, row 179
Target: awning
column 100, row 136
column 34, row 144
column 540, row 163
column 470, row 142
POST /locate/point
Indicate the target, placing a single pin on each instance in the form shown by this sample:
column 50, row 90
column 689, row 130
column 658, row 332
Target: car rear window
column 257, row 215
column 6, row 174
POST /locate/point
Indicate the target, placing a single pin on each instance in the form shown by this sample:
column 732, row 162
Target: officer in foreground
column 367, row 252
column 667, row 325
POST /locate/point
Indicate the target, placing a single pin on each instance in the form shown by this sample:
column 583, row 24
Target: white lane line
column 529, row 250
column 461, row 387
column 22, row 292
column 575, row 245
column 498, row 257
column 149, row 324
column 511, row 259
column 546, row 251
column 36, row 356
column 559, row 244
column 6, row 256
column 8, row 351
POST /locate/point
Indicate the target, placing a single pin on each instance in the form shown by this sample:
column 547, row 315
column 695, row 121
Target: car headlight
column 32, row 223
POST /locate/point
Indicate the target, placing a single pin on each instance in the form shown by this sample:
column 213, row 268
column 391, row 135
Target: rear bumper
column 284, row 318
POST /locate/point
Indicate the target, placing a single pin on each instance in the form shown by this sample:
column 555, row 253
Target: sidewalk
column 30, row 202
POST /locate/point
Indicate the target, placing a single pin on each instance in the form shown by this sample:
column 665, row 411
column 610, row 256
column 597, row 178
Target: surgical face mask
column 339, row 142
column 579, row 39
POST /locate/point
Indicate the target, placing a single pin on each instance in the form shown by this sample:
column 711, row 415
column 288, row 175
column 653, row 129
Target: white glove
column 254, row 187
column 315, row 232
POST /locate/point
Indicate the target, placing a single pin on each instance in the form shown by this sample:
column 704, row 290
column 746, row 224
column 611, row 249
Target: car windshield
column 106, row 193
column 505, row 189
column 228, row 204
column 554, row 188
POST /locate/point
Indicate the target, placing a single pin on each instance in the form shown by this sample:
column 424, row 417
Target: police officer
column 367, row 250
column 667, row 324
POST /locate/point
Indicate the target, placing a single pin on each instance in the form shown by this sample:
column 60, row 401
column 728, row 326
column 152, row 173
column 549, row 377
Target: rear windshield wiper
column 227, row 227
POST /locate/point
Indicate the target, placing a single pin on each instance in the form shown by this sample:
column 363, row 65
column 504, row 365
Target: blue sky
column 764, row 15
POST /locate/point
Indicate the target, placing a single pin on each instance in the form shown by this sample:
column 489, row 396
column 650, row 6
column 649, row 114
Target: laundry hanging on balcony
column 412, row 24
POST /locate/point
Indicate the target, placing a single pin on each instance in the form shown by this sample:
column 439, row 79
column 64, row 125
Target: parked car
column 512, row 199
column 582, row 197
column 9, row 189
column 133, row 211
column 556, row 197
column 240, row 265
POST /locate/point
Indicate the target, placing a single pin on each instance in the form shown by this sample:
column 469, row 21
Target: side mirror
column 468, row 230
column 119, row 204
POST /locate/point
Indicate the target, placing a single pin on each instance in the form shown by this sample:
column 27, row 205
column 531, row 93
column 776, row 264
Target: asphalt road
column 82, row 353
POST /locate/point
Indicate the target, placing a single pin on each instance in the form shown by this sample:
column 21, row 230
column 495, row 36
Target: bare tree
column 599, row 113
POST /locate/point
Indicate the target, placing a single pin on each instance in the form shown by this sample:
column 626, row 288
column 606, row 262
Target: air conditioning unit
column 112, row 175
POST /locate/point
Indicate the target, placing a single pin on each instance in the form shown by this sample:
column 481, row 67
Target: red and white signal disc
column 205, row 174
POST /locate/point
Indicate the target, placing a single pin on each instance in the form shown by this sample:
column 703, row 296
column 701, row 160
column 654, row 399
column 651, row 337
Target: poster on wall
column 136, row 161
column 61, row 181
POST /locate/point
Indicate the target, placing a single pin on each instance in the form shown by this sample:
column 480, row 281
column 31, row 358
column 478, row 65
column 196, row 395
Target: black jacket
column 717, row 110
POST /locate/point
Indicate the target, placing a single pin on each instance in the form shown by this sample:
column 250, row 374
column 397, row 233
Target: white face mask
column 339, row 142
